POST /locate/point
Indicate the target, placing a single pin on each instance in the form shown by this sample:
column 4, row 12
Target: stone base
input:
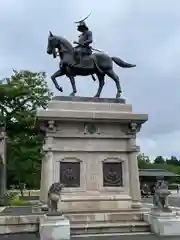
column 136, row 205
column 95, row 203
column 54, row 228
column 94, row 138
column 163, row 224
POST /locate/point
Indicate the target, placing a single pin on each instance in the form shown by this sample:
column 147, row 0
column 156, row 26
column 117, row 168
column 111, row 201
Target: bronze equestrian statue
column 80, row 60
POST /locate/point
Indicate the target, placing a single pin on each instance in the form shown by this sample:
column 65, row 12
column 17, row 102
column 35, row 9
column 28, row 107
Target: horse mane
column 65, row 43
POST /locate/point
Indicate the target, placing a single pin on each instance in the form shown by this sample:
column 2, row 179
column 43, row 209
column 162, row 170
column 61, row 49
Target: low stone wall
column 30, row 224
column 17, row 224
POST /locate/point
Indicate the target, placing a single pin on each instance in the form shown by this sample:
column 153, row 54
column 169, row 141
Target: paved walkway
column 175, row 194
column 130, row 237
column 173, row 201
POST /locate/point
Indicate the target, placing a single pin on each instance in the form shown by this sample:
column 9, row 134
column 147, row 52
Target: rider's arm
column 89, row 38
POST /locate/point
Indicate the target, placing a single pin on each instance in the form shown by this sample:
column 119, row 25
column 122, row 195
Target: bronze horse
column 101, row 65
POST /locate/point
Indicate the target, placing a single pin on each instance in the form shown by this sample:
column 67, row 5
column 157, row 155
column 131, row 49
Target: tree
column 159, row 160
column 20, row 96
column 143, row 160
column 173, row 161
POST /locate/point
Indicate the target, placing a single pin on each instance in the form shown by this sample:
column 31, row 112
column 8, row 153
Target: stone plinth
column 163, row 224
column 90, row 147
column 54, row 228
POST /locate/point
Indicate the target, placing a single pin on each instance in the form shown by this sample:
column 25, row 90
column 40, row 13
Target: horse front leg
column 72, row 80
column 53, row 78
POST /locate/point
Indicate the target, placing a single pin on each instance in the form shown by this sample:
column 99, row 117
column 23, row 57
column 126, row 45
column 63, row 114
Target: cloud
column 142, row 32
column 153, row 146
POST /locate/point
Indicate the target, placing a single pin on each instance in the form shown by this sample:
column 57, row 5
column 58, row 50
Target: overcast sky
column 144, row 32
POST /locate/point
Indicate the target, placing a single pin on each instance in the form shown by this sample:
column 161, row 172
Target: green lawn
column 27, row 192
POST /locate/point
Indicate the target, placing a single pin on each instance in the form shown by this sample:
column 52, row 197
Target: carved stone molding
column 113, row 159
column 51, row 126
column 132, row 128
column 70, row 159
column 91, row 128
column 48, row 126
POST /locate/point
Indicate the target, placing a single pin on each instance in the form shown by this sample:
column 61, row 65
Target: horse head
column 62, row 44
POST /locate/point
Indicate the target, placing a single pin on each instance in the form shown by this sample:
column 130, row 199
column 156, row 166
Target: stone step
column 71, row 211
column 108, row 228
column 104, row 217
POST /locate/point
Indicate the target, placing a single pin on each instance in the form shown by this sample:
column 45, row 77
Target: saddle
column 84, row 61
column 87, row 61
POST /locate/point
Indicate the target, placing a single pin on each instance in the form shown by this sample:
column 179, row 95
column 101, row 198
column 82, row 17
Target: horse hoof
column 72, row 94
column 60, row 89
column 118, row 95
column 96, row 96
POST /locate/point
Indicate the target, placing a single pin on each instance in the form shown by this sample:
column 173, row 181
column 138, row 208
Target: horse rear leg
column 101, row 84
column 115, row 77
column 53, row 78
column 73, row 84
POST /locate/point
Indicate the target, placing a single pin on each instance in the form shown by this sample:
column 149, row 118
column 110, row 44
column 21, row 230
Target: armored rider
column 83, row 47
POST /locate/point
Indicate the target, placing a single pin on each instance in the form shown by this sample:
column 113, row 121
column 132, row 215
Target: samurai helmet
column 82, row 24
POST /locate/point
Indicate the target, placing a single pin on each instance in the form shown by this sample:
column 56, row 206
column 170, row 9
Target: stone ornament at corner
column 133, row 128
column 51, row 126
column 91, row 128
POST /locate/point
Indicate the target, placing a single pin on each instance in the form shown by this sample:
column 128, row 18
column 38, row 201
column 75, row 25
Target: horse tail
column 121, row 63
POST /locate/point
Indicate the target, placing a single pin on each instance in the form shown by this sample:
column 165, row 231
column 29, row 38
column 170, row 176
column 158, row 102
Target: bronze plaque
column 112, row 174
column 70, row 174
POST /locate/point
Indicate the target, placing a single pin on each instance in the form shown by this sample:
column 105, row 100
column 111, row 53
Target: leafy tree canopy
column 20, row 96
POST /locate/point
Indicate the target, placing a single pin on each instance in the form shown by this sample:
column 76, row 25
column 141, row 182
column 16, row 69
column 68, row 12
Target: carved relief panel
column 112, row 174
column 70, row 174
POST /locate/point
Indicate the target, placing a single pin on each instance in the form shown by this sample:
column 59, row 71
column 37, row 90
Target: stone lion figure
column 54, row 195
column 161, row 195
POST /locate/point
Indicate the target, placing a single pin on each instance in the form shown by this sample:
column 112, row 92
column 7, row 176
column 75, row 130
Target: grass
column 13, row 197
column 27, row 192
column 17, row 202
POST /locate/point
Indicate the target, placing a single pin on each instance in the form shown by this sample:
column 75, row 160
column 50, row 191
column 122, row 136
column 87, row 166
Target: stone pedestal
column 90, row 147
column 54, row 228
column 163, row 224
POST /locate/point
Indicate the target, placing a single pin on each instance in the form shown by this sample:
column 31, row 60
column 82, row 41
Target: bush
column 8, row 197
